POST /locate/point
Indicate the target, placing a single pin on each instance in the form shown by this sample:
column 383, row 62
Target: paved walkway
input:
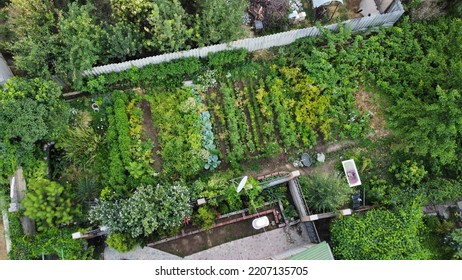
column 257, row 247
column 261, row 246
column 139, row 253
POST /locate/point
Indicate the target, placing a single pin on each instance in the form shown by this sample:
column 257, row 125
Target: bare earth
column 3, row 255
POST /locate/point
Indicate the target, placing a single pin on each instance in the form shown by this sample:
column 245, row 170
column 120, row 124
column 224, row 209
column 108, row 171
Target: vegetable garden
column 142, row 178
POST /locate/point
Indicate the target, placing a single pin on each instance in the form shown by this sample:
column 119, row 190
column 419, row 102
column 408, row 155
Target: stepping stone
column 320, row 157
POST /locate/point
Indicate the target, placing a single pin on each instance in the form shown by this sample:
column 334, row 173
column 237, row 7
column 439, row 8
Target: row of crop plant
column 259, row 116
column 129, row 155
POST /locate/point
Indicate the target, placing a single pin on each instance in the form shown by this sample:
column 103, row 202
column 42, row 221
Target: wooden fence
column 393, row 14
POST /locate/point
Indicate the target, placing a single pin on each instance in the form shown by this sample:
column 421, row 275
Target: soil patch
column 268, row 165
column 3, row 254
column 353, row 7
column 151, row 132
column 367, row 104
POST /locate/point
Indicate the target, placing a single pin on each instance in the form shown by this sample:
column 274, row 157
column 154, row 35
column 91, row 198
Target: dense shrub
column 227, row 59
column 380, row 235
column 121, row 242
column 205, row 217
column 48, row 204
column 325, row 193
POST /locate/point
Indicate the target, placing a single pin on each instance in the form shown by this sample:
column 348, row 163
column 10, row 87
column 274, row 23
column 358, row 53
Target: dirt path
column 151, row 132
column 3, row 254
column 282, row 162
column 369, row 103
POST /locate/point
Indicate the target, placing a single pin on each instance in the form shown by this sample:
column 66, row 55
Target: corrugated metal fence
column 394, row 12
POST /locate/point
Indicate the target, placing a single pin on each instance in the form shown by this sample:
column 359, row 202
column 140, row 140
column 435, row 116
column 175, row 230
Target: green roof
column 319, row 251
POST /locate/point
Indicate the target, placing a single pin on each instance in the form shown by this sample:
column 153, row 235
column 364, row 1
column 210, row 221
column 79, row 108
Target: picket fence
column 393, row 14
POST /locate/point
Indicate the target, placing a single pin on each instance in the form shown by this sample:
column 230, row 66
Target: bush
column 380, row 235
column 48, row 204
column 324, row 193
column 233, row 198
column 408, row 173
column 121, row 242
column 224, row 59
column 205, row 217
column 52, row 242
column 441, row 190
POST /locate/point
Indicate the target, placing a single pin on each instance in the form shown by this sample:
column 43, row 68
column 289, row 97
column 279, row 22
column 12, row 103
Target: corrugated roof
column 319, row 251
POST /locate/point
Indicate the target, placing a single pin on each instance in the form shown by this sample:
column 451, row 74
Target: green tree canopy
column 219, row 20
column 379, row 235
column 441, row 190
column 33, row 42
column 456, row 243
column 80, row 42
column 151, row 209
column 432, row 130
column 31, row 110
column 47, row 203
column 163, row 22
column 123, row 40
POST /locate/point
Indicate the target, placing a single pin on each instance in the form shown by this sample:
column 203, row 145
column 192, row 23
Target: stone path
column 139, row 253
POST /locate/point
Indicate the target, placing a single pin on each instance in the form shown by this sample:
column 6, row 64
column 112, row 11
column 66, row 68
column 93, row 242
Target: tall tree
column 123, row 41
column 163, row 22
column 80, row 42
column 33, row 42
column 220, row 20
column 427, row 129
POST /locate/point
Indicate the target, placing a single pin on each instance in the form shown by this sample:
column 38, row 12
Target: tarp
column 317, row 3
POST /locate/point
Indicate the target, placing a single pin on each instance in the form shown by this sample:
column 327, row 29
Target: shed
column 319, row 3
column 319, row 251
column 5, row 71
